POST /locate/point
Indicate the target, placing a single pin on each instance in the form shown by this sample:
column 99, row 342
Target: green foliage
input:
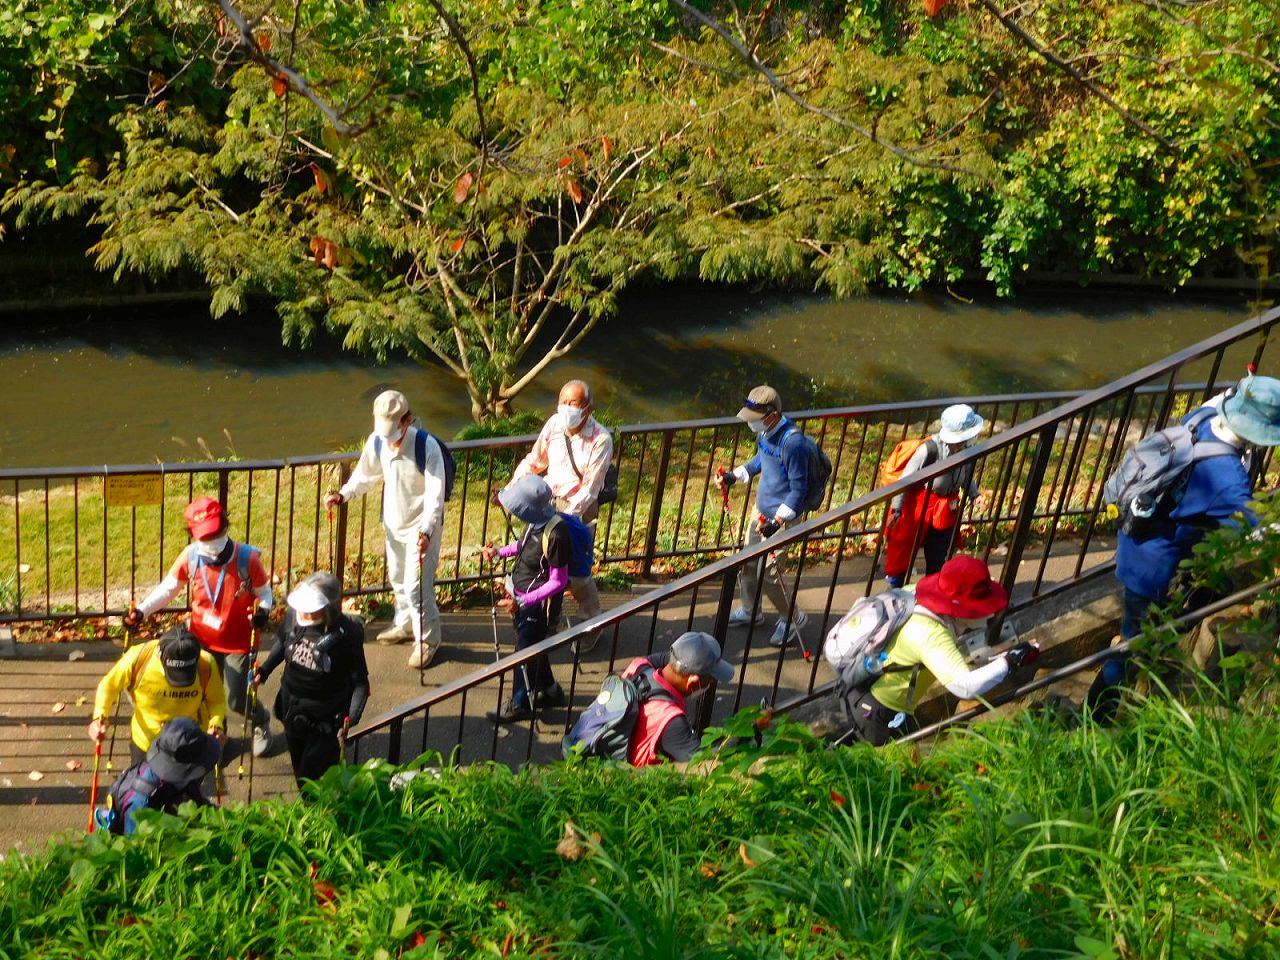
column 1015, row 839
column 486, row 230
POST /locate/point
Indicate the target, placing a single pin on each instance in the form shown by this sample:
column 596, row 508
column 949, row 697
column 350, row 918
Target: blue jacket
column 1217, row 491
column 784, row 473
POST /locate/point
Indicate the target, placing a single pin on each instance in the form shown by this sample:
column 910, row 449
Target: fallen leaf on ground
column 81, row 701
column 742, row 852
column 573, row 845
column 35, row 775
column 59, row 707
column 75, row 655
column 74, row 765
column 709, row 870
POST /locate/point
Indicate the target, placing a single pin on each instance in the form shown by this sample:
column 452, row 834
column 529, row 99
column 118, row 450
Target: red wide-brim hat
column 963, row 588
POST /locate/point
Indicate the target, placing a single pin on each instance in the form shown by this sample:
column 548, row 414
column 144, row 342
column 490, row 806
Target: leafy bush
column 1015, row 839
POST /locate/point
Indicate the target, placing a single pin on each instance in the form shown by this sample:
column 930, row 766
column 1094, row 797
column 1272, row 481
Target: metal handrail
column 1034, row 439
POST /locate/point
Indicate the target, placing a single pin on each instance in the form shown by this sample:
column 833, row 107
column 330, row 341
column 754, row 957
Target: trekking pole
column 93, row 787
column 772, row 560
column 493, row 613
column 331, row 570
column 248, row 700
column 724, row 498
column 115, row 720
column 422, row 615
column 342, row 740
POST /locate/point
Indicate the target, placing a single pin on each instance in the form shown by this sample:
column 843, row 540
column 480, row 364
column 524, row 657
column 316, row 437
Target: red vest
column 655, row 714
column 223, row 627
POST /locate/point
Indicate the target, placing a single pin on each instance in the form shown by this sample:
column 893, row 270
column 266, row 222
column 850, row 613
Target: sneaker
column 422, row 656
column 513, row 711
column 741, row 617
column 396, row 633
column 552, row 696
column 781, row 636
column 261, row 740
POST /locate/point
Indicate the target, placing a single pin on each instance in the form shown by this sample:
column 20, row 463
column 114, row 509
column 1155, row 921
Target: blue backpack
column 605, row 727
column 581, row 543
column 420, row 457
column 819, row 467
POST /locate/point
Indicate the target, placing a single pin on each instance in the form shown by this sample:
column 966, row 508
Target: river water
column 150, row 386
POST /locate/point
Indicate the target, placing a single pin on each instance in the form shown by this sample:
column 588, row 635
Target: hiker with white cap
column 166, row 678
column 962, row 596
column 663, row 730
column 535, row 588
column 926, row 517
column 788, row 466
column 1214, row 490
column 325, row 683
column 412, row 467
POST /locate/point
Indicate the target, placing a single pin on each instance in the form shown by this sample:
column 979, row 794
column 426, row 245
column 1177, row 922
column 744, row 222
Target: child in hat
column 177, row 760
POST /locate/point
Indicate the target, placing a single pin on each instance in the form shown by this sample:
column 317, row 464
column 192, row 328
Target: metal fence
column 1040, row 528
column 84, row 541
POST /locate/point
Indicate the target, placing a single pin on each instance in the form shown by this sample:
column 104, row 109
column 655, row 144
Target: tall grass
column 1156, row 838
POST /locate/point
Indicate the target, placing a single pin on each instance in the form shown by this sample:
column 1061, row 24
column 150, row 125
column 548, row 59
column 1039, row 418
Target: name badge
column 211, row 620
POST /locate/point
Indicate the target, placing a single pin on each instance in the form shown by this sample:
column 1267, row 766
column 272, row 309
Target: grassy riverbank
column 1155, row 839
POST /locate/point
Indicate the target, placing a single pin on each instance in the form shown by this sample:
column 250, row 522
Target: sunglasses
column 758, row 406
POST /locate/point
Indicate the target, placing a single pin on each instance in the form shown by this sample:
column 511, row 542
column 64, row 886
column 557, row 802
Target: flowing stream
column 148, row 386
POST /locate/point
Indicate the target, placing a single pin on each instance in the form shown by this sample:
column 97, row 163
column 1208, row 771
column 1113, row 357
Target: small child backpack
column 581, row 541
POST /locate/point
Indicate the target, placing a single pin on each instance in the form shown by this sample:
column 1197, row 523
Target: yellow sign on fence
column 134, row 489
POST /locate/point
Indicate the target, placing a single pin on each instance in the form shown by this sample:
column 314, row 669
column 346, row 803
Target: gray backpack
column 858, row 645
column 1153, row 475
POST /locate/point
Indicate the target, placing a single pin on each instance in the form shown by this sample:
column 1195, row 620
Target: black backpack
column 819, row 472
column 605, row 727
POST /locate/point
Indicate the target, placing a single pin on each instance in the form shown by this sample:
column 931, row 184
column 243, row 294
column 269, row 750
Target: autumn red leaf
column 279, row 85
column 980, row 770
column 417, row 939
column 506, row 945
column 575, row 191
column 838, row 799
column 922, row 786
column 264, row 42
column 565, row 161
column 330, row 258
column 463, row 188
column 933, row 7
column 608, row 148
column 322, row 178
column 456, row 245
column 325, row 892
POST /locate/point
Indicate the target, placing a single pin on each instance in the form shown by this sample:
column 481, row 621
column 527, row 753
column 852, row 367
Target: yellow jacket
column 155, row 700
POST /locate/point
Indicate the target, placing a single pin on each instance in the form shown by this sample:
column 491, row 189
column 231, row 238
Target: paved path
column 33, row 737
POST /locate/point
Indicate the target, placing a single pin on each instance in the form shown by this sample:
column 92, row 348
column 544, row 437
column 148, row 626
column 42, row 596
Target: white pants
column 415, row 595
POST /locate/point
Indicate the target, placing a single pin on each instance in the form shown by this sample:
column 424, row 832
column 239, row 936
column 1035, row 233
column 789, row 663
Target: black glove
column 1022, row 655
column 768, row 527
column 133, row 618
column 260, row 619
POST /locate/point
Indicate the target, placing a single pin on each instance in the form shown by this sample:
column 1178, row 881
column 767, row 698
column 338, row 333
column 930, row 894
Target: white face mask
column 570, row 417
column 209, row 549
column 309, row 619
column 756, row 426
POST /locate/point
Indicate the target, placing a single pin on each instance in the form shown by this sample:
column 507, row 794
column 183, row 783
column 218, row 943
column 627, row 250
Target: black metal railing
column 84, row 541
column 1040, row 527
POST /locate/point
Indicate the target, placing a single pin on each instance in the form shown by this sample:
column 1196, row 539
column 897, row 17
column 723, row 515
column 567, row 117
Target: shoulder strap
column 931, row 451
column 144, row 657
column 652, row 689
column 377, row 445
column 568, row 445
column 420, row 450
column 551, row 524
column 206, row 671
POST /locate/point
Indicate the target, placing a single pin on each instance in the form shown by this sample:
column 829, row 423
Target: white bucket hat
column 960, row 423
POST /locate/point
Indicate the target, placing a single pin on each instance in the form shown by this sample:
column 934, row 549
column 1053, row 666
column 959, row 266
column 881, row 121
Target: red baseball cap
column 204, row 517
column 963, row 588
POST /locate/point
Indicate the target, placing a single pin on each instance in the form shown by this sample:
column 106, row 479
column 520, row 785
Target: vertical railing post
column 655, row 503
column 720, row 630
column 1026, row 514
column 223, row 485
column 340, row 545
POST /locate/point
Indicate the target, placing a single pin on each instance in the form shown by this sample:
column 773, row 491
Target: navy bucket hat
column 1253, row 411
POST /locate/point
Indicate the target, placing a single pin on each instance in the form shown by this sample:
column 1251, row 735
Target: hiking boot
column 396, row 633
column 782, row 636
column 513, row 711
column 552, row 696
column 262, row 740
column 422, row 656
column 741, row 617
